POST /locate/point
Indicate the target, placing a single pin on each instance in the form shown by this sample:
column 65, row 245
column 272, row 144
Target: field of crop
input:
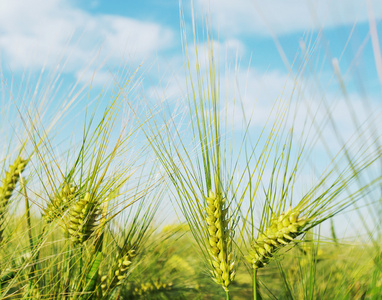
column 127, row 199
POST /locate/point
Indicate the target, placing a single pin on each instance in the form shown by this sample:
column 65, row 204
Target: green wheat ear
column 219, row 242
column 118, row 273
column 60, row 203
column 145, row 289
column 8, row 185
column 82, row 219
column 282, row 230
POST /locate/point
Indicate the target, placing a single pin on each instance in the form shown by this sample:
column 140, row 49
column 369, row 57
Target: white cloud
column 321, row 117
column 256, row 94
column 171, row 74
column 44, row 33
column 281, row 17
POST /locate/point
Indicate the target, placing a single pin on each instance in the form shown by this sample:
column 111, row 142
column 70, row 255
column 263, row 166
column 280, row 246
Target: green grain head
column 10, row 180
column 145, row 289
column 60, row 203
column 118, row 273
column 82, row 219
column 282, row 230
column 8, row 184
column 219, row 243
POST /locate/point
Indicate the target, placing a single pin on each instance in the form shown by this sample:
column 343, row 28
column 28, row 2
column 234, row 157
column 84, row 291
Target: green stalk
column 66, row 282
column 227, row 295
column 29, row 224
column 33, row 282
column 80, row 262
column 79, row 282
column 28, row 215
column 254, row 284
column 92, row 275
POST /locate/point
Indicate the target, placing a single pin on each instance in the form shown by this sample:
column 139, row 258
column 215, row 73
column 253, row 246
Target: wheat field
column 120, row 198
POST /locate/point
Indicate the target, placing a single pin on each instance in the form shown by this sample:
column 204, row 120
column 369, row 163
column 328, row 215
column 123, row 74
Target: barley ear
column 82, row 219
column 8, row 185
column 59, row 203
column 118, row 273
column 145, row 289
column 219, row 243
column 282, row 230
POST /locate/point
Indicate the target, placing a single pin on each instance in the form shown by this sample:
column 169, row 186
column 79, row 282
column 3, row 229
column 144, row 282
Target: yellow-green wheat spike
column 146, row 288
column 60, row 203
column 82, row 219
column 282, row 230
column 8, row 185
column 219, row 240
column 119, row 273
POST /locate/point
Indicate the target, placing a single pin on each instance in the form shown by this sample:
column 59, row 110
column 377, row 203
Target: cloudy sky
column 318, row 51
column 266, row 49
column 267, row 35
column 44, row 33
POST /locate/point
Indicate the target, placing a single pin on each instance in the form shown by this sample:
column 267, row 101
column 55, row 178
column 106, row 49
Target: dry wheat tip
column 219, row 240
column 282, row 230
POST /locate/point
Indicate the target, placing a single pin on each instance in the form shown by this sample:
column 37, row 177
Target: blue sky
column 44, row 33
column 50, row 33
column 256, row 43
column 142, row 28
column 260, row 46
column 93, row 39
